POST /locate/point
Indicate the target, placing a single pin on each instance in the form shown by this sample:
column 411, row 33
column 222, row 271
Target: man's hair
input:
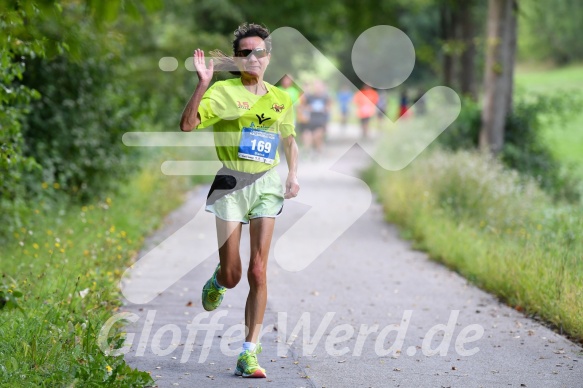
column 247, row 30
column 224, row 62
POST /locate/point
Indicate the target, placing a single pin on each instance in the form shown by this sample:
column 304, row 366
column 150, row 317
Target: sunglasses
column 258, row 52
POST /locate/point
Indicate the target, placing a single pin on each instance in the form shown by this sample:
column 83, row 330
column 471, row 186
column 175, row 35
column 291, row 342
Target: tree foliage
column 16, row 43
column 77, row 73
column 74, row 130
column 63, row 103
column 551, row 30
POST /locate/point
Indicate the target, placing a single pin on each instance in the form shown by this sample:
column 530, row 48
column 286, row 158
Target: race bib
column 258, row 145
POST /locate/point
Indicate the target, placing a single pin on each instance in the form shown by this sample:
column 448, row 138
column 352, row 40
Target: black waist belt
column 228, row 181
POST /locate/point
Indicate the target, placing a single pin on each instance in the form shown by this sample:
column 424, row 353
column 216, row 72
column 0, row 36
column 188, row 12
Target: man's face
column 255, row 63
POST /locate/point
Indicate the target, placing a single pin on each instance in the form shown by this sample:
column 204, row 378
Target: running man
column 366, row 100
column 248, row 116
column 317, row 103
column 344, row 97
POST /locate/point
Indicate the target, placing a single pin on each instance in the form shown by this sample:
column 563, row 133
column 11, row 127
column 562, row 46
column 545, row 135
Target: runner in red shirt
column 366, row 100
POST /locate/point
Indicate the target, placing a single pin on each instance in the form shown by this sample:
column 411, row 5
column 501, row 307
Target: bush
column 525, row 149
column 14, row 166
column 71, row 137
column 498, row 229
column 464, row 132
column 75, row 129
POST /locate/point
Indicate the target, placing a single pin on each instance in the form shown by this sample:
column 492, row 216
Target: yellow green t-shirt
column 244, row 123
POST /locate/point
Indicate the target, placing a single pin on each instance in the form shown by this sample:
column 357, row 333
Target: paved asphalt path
column 398, row 318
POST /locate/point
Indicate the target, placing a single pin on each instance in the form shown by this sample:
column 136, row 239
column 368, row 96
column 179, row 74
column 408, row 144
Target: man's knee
column 257, row 273
column 230, row 277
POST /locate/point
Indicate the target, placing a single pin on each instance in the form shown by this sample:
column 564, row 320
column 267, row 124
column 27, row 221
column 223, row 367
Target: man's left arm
column 290, row 147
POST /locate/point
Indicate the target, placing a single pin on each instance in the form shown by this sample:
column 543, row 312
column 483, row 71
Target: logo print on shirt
column 278, row 108
column 243, row 105
column 262, row 118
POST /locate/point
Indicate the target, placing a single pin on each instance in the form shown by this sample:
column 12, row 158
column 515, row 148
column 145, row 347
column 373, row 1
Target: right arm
column 190, row 118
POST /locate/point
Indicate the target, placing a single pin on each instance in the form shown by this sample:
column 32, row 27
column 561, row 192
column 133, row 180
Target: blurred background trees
column 65, row 101
column 77, row 74
column 499, row 72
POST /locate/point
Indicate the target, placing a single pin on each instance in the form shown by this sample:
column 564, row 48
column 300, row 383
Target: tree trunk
column 467, row 75
column 448, row 25
column 499, row 73
column 511, row 36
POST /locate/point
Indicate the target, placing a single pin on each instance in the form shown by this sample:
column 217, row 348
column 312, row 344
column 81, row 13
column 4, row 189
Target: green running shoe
column 211, row 295
column 247, row 365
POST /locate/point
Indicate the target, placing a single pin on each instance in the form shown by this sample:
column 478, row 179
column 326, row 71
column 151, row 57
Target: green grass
column 61, row 274
column 496, row 228
column 548, row 80
column 565, row 139
column 566, row 142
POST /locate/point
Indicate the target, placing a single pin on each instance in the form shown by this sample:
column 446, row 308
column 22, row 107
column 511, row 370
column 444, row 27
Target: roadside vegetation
column 495, row 227
column 512, row 224
column 76, row 203
column 60, row 274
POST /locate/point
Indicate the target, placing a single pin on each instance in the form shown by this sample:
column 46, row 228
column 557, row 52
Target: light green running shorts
column 237, row 196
